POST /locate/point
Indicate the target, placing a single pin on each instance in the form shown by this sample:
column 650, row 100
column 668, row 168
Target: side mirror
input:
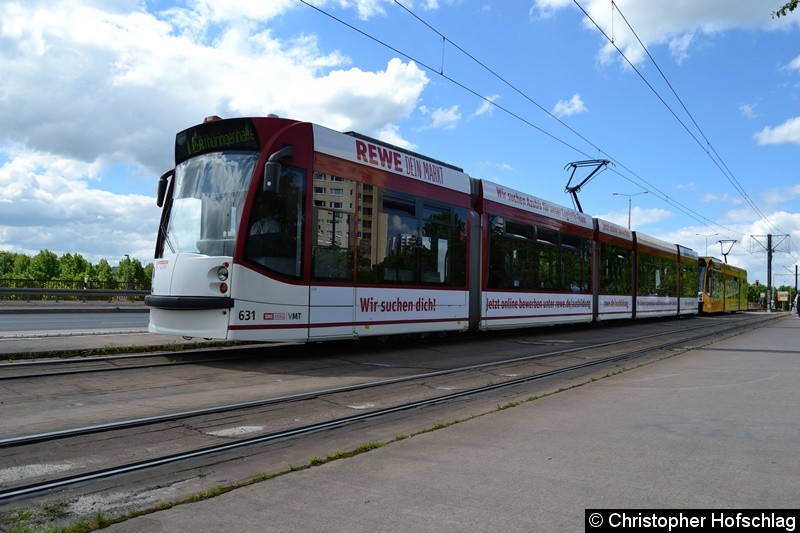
column 272, row 169
column 163, row 181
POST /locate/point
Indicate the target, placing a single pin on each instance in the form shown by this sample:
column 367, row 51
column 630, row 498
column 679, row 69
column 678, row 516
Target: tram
column 279, row 230
column 722, row 287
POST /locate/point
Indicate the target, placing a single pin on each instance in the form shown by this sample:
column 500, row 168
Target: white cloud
column 679, row 47
column 114, row 69
column 786, row 133
column 548, row 8
column 573, row 106
column 47, row 203
column 779, row 196
column 442, row 118
column 748, row 111
column 723, row 197
column 391, row 135
column 108, row 87
column 678, row 26
column 639, row 217
column 486, row 107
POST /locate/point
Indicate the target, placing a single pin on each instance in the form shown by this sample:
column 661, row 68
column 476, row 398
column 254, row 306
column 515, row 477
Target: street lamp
column 127, row 271
column 629, row 202
column 706, row 236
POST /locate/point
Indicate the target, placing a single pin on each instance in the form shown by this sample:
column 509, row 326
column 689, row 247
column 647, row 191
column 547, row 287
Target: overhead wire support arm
column 598, row 164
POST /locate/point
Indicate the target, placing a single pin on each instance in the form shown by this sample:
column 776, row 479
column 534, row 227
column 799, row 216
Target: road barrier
column 21, row 293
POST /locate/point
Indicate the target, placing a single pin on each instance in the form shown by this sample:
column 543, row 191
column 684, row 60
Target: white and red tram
column 274, row 229
column 615, row 270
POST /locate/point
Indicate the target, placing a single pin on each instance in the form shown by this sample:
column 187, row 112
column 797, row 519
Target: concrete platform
column 716, row 427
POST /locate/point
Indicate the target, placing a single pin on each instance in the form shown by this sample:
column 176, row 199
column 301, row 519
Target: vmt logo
column 283, row 316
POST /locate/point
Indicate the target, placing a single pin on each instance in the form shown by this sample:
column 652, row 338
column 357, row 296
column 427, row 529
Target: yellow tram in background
column 722, row 287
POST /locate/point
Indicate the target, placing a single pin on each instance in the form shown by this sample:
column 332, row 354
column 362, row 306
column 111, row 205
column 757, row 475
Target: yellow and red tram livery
column 722, row 288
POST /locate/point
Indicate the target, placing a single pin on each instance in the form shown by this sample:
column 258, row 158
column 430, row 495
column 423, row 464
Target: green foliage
column 786, row 9
column 74, row 267
column 47, row 266
column 103, row 271
column 44, row 265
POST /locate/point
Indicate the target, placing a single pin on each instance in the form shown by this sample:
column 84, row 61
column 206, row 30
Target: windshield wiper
column 167, row 239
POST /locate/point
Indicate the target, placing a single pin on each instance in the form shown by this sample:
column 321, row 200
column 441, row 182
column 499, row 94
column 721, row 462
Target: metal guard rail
column 78, row 294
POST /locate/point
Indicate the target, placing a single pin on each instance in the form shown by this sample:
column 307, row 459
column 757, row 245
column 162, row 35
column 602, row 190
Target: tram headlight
column 222, row 273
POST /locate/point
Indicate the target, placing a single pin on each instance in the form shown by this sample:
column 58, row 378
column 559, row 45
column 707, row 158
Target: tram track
column 41, row 368
column 193, row 435
column 15, row 335
column 205, row 356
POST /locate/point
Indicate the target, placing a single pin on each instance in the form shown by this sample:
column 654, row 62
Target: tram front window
column 207, row 203
column 275, row 228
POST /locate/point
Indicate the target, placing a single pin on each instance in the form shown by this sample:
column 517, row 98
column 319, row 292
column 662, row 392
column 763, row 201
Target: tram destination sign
column 233, row 134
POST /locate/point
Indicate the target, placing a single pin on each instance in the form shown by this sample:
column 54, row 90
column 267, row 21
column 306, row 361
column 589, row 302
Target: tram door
column 332, row 294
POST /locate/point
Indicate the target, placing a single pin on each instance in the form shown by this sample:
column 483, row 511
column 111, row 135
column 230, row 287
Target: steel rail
column 38, row 487
column 111, row 359
column 180, row 415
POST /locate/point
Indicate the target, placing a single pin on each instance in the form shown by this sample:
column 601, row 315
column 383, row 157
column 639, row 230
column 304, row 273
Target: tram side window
column 616, row 269
column 657, row 276
column 412, row 241
column 496, row 253
column 435, row 253
column 689, row 281
column 716, row 283
column 513, row 259
column 576, row 266
column 275, row 234
column 731, row 287
column 669, row 279
column 397, row 222
column 649, row 277
column 703, row 284
column 521, row 260
column 333, row 241
column 527, row 257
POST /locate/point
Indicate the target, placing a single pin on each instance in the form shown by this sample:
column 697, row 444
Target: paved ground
column 712, row 428
column 58, row 341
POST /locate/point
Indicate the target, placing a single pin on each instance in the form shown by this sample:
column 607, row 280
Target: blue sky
column 705, row 116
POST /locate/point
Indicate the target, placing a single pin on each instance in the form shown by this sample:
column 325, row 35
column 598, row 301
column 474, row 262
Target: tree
column 21, row 264
column 148, row 272
column 47, row 266
column 754, row 292
column 131, row 271
column 786, row 8
column 6, row 264
column 103, row 271
column 74, row 267
column 44, row 265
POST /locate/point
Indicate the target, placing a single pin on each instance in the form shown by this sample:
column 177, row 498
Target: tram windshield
column 207, row 203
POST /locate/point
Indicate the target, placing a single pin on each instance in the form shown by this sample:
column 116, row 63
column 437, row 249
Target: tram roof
column 501, row 194
column 615, row 230
column 657, row 244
